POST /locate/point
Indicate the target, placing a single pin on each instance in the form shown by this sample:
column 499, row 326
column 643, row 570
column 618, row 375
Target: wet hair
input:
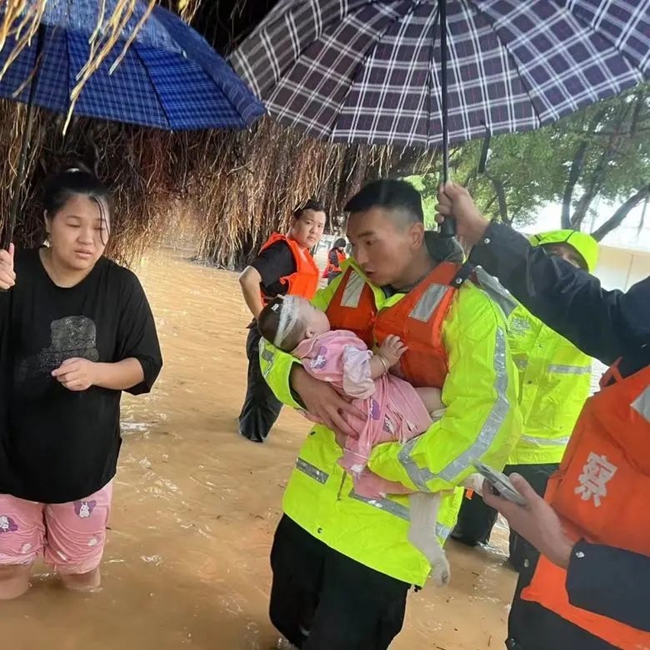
column 280, row 324
column 311, row 204
column 390, row 194
column 77, row 181
column 340, row 243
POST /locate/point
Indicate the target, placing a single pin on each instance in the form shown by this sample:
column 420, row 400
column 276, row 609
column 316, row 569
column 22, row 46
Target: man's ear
column 416, row 233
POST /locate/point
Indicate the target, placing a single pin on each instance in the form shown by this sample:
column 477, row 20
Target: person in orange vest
column 283, row 266
column 335, row 258
column 588, row 587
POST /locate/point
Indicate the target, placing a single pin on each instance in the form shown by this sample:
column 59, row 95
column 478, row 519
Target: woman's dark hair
column 340, row 243
column 76, row 181
column 311, row 204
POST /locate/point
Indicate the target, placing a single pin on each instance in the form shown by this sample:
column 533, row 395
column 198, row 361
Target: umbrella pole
column 24, row 147
column 448, row 226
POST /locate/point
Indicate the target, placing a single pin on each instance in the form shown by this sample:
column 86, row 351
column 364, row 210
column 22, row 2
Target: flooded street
column 195, row 507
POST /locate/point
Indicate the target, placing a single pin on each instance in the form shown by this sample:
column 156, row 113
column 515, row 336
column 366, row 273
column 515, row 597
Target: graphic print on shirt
column 71, row 337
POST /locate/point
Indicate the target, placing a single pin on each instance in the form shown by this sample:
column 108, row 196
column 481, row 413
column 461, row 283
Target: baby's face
column 314, row 320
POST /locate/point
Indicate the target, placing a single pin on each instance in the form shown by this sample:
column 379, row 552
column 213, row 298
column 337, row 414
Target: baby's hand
column 392, row 349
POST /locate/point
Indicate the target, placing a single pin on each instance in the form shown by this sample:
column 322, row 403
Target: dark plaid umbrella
column 370, row 71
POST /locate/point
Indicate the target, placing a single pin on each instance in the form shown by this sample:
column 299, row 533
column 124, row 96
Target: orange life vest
column 334, row 268
column 304, row 281
column 417, row 319
column 600, row 493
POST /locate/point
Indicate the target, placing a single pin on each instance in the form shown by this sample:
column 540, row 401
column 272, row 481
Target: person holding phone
column 589, row 587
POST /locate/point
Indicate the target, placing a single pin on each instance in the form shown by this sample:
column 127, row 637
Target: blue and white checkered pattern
column 369, row 70
column 170, row 77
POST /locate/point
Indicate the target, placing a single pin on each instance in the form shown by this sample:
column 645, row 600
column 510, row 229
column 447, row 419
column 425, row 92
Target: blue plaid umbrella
column 370, row 70
column 169, row 77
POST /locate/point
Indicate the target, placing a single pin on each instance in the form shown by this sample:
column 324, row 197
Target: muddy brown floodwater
column 195, row 507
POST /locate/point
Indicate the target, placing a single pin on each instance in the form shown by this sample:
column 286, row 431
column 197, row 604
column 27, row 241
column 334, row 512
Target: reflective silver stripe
column 428, row 302
column 570, row 370
column 486, row 436
column 546, row 442
column 397, row 509
column 267, row 356
column 352, row 291
column 642, row 403
column 495, row 291
column 311, row 471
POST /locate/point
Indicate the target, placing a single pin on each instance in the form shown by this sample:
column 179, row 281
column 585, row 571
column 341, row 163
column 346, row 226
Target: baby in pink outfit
column 396, row 411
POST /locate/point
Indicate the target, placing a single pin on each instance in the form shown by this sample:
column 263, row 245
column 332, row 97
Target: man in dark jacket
column 608, row 325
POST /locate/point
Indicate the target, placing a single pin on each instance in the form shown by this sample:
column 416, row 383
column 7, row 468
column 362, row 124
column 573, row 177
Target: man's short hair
column 311, row 204
column 390, row 194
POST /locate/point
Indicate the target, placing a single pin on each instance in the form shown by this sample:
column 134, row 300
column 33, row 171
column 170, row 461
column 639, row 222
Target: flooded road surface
column 195, row 507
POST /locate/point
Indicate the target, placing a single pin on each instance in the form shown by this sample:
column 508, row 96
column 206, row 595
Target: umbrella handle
column 24, row 147
column 448, row 226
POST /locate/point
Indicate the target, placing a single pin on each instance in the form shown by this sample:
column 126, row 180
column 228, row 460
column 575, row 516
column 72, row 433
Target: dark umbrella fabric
column 170, row 77
column 369, row 71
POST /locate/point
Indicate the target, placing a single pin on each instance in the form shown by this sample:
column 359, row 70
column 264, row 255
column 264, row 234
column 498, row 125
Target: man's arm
column 482, row 421
column 605, row 580
column 603, row 324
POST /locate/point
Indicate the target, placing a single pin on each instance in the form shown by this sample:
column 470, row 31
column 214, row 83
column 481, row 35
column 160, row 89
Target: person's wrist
column 476, row 230
column 97, row 373
column 384, row 362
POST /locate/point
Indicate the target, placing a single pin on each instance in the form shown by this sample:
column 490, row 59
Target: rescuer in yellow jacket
column 342, row 565
column 554, row 381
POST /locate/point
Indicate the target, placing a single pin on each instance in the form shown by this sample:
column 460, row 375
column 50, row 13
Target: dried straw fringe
column 21, row 20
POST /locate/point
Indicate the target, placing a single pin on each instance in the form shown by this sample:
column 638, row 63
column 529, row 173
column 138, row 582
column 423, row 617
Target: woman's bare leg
column 14, row 580
column 90, row 581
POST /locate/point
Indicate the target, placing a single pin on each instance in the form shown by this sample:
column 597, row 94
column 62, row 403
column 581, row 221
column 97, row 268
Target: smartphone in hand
column 500, row 484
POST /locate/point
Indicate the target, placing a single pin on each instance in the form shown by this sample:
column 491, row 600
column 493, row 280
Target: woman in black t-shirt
column 76, row 330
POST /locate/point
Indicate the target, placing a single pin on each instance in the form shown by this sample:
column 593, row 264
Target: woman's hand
column 536, row 522
column 77, row 374
column 323, row 402
column 7, row 275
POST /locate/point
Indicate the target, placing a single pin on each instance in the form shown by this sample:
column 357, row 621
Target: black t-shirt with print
column 58, row 445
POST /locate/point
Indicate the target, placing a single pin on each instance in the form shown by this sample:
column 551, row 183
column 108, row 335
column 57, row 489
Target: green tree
column 599, row 154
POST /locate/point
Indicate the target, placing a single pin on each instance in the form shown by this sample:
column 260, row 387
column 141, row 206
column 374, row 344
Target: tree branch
column 621, row 213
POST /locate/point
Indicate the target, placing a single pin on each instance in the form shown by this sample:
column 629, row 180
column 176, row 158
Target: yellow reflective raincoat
column 481, row 422
column 554, row 375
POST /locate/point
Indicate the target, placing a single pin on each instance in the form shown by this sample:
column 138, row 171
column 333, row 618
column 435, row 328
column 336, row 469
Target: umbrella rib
column 633, row 64
column 134, row 48
column 430, row 77
column 361, row 65
column 513, row 61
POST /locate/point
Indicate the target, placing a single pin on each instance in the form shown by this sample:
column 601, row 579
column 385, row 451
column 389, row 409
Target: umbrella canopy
column 169, row 76
column 369, row 70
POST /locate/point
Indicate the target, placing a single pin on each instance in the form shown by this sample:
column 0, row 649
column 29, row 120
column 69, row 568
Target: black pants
column 476, row 519
column 322, row 600
column 261, row 407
